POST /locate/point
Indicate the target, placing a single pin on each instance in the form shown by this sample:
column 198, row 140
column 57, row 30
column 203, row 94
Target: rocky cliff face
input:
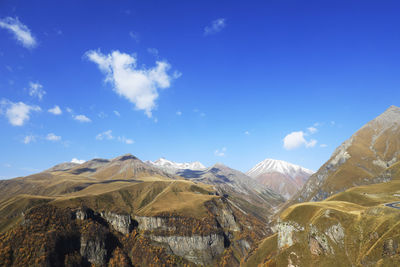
column 198, row 249
column 120, row 222
column 94, row 249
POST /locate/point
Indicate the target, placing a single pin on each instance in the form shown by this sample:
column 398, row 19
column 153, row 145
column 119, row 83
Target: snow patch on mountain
column 171, row 166
column 280, row 166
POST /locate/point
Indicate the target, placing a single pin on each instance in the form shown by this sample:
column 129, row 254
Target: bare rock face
column 120, row 222
column 286, row 233
column 93, row 248
column 198, row 249
column 224, row 216
column 153, row 223
column 318, row 242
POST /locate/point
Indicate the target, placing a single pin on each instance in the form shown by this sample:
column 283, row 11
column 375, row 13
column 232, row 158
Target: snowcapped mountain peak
column 169, row 165
column 280, row 166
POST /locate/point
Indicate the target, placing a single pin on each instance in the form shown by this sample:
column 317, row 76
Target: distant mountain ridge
column 283, row 177
column 230, row 182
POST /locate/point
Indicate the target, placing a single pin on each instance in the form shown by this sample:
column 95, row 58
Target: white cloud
column 215, row 27
column 56, row 110
column 29, row 139
column 36, row 90
column 82, row 118
column 138, row 85
column 105, row 135
column 21, row 32
column 69, row 110
column 296, row 139
column 79, row 161
column 53, row 137
column 117, row 113
column 125, row 140
column 323, row 145
column 220, row 152
column 247, row 133
column 312, row 130
column 17, row 113
column 179, row 113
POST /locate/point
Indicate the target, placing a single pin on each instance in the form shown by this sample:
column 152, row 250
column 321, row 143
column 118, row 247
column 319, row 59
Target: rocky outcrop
column 286, row 231
column 336, row 233
column 93, row 249
column 318, row 242
column 224, row 215
column 198, row 249
column 120, row 222
column 154, row 223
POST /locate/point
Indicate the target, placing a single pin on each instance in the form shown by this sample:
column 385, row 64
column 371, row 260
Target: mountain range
column 126, row 212
column 347, row 213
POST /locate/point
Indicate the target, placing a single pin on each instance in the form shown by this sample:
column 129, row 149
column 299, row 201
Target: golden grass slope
column 123, row 184
column 371, row 231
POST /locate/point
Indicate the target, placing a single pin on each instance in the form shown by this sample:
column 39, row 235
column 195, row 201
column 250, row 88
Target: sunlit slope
column 352, row 228
column 125, row 193
column 359, row 160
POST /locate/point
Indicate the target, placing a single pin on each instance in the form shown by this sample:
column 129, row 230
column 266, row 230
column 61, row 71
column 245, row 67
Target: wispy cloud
column 323, row 145
column 179, row 113
column 215, row 26
column 134, row 36
column 56, row 110
column 17, row 113
column 220, row 152
column 82, row 118
column 117, row 113
column 125, row 140
column 36, row 90
column 52, row 137
column 105, row 135
column 20, row 31
column 29, row 139
column 153, row 51
column 297, row 139
column 139, row 85
column 312, row 130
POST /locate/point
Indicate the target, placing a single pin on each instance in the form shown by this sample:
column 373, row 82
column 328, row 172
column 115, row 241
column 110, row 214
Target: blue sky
column 213, row 81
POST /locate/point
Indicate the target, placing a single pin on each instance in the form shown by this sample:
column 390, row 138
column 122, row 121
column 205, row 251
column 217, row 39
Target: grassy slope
column 144, row 195
column 367, row 222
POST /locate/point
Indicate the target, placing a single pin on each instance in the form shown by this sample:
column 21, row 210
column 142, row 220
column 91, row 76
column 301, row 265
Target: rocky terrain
column 352, row 218
column 125, row 211
column 359, row 160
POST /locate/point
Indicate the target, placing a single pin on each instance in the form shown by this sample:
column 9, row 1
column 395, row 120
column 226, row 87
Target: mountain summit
column 360, row 160
column 283, row 177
